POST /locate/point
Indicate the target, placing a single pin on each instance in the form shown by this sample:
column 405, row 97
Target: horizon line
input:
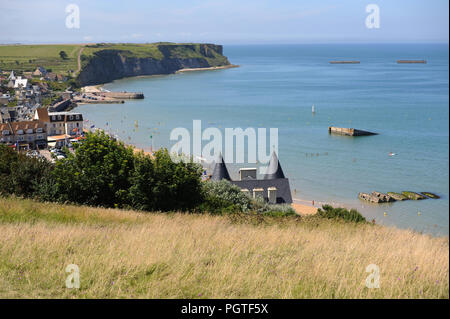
column 207, row 42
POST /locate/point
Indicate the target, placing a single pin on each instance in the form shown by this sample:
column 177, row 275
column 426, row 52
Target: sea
column 275, row 86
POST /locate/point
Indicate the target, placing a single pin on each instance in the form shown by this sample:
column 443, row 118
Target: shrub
column 328, row 211
column 262, row 207
column 21, row 175
column 161, row 184
column 222, row 196
column 98, row 173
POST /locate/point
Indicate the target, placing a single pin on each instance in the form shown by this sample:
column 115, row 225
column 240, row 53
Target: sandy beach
column 304, row 209
column 208, row 69
column 91, row 88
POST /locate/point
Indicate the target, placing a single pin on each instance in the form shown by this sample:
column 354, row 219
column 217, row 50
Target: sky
column 224, row 21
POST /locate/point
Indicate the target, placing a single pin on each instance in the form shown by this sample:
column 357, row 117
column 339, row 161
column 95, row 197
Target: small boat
column 313, row 109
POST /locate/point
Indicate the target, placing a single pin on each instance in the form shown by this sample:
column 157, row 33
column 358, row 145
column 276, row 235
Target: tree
column 63, row 55
column 161, row 184
column 21, row 175
column 97, row 173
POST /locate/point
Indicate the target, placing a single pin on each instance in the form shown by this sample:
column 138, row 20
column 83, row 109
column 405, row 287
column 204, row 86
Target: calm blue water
column 276, row 85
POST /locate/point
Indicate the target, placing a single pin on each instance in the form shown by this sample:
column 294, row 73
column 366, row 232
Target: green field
column 28, row 57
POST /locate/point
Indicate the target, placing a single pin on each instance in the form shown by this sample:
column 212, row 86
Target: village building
column 39, row 72
column 25, row 134
column 20, row 83
column 8, row 114
column 4, row 99
column 273, row 187
column 11, row 76
column 60, row 123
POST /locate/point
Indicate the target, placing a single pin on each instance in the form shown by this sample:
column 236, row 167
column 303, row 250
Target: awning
column 58, row 137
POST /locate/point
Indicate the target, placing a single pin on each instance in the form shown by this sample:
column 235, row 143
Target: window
column 258, row 193
column 30, row 131
column 20, row 132
column 272, row 194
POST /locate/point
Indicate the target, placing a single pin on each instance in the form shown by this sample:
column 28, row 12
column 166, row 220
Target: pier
column 120, row 95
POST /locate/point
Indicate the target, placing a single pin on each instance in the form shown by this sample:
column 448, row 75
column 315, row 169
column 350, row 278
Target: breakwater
column 348, row 131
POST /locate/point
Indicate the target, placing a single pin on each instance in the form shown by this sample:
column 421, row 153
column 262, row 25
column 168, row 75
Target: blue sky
column 224, row 21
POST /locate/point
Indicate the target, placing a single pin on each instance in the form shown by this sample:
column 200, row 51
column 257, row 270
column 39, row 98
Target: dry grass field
column 125, row 254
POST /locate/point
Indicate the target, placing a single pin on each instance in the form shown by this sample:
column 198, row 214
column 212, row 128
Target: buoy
column 418, row 214
column 385, row 214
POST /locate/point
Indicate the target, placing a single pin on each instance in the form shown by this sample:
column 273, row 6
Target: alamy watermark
column 373, row 280
column 73, row 17
column 373, row 19
column 259, row 149
column 73, row 279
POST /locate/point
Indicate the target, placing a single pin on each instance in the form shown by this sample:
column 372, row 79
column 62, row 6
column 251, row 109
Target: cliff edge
column 102, row 63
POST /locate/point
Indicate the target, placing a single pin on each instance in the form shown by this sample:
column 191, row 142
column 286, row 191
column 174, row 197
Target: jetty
column 412, row 61
column 120, row 95
column 345, row 62
column 348, row 131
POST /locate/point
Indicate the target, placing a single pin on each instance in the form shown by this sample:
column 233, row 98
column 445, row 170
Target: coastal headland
column 91, row 64
column 102, row 63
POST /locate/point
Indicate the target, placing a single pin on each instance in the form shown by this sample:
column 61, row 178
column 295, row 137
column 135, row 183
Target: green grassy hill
column 28, row 57
column 126, row 254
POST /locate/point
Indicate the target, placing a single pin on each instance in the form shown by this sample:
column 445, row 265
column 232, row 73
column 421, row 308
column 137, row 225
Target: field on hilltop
column 125, row 254
column 28, row 57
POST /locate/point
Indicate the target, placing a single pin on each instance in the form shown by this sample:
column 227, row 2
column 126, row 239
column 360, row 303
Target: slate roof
column 220, row 170
column 274, row 169
column 274, row 177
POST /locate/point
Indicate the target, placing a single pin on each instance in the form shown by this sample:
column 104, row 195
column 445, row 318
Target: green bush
column 104, row 172
column 21, row 175
column 330, row 212
column 97, row 173
column 261, row 206
column 161, row 184
column 222, row 196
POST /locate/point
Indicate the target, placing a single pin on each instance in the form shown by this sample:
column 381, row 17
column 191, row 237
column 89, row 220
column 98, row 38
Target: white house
column 20, row 83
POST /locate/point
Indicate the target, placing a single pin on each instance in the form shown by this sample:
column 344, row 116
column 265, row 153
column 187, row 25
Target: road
column 79, row 60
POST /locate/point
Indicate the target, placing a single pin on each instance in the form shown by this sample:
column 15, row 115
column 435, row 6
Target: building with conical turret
column 273, row 187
